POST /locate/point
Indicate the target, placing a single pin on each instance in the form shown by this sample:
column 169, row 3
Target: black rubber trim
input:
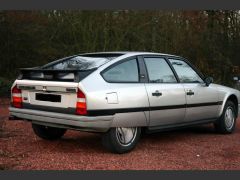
column 167, row 107
column 204, row 104
column 49, row 109
column 169, row 127
column 142, row 70
column 126, row 110
column 104, row 112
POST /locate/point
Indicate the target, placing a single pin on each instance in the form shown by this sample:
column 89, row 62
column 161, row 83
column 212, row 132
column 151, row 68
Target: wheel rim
column 229, row 118
column 126, row 136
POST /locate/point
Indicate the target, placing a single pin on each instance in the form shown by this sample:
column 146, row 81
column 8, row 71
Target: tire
column 121, row 140
column 227, row 121
column 48, row 133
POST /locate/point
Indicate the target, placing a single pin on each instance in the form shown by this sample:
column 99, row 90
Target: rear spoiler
column 72, row 75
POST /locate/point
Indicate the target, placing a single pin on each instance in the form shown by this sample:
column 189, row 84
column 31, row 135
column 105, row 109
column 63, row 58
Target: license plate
column 48, row 97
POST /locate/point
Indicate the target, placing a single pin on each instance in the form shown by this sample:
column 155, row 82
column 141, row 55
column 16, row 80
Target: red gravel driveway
column 192, row 148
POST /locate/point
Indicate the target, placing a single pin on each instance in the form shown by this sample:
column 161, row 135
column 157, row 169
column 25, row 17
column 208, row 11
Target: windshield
column 79, row 63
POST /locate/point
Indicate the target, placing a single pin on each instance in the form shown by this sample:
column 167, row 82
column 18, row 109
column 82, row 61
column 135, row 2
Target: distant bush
column 5, row 86
column 237, row 85
column 209, row 39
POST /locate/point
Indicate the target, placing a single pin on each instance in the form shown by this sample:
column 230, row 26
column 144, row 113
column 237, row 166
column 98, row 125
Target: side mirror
column 208, row 81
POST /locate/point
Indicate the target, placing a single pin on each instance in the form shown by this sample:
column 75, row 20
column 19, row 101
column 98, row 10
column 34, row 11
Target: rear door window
column 124, row 72
column 159, row 71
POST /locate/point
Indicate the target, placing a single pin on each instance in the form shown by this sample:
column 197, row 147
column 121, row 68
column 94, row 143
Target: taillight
column 16, row 97
column 81, row 106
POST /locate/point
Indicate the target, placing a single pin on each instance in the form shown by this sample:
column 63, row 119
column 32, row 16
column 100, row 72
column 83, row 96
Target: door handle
column 190, row 93
column 157, row 93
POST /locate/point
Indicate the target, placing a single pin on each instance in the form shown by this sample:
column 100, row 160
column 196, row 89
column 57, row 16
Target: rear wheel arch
column 121, row 140
column 132, row 119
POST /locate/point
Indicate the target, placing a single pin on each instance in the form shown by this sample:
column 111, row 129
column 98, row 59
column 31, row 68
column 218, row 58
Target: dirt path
column 194, row 148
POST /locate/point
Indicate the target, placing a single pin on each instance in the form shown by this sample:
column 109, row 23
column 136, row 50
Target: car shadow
column 182, row 134
column 83, row 142
column 78, row 142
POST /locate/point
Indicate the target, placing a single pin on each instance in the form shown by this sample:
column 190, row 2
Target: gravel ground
column 193, row 148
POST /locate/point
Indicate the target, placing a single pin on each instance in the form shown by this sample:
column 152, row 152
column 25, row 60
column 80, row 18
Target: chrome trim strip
column 41, row 88
column 26, row 87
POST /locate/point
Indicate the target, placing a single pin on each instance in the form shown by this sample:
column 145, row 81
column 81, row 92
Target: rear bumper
column 84, row 123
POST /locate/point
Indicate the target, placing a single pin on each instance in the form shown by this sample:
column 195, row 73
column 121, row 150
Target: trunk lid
column 54, row 86
column 49, row 95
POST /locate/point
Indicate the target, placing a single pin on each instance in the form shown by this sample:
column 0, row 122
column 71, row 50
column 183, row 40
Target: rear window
column 79, row 63
column 124, row 72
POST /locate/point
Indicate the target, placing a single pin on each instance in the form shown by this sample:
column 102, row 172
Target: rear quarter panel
column 129, row 96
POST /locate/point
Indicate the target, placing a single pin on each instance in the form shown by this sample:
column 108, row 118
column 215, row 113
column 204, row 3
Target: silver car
column 120, row 94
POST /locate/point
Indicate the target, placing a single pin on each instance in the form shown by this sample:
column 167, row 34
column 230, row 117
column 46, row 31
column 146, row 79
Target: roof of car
column 128, row 53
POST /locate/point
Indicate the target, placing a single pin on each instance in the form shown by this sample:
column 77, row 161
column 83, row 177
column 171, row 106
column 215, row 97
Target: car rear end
column 51, row 95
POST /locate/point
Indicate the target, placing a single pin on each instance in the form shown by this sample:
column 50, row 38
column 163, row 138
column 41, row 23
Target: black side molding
column 170, row 127
column 204, row 104
column 105, row 112
column 102, row 112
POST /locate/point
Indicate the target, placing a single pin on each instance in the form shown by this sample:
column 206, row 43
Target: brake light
column 16, row 97
column 81, row 105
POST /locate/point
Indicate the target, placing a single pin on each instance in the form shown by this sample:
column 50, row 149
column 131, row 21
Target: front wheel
column 121, row 140
column 227, row 121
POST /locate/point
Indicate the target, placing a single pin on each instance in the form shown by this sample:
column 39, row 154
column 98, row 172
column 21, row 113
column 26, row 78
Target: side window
column 159, row 71
column 185, row 73
column 124, row 72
